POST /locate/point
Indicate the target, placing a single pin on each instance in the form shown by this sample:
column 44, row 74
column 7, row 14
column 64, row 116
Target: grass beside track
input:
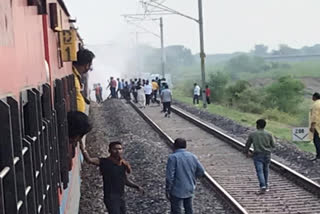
column 280, row 130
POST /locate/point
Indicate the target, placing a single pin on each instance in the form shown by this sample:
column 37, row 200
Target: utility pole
column 162, row 49
column 138, row 71
column 132, row 18
column 202, row 55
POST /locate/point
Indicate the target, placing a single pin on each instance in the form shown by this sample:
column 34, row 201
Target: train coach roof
column 64, row 7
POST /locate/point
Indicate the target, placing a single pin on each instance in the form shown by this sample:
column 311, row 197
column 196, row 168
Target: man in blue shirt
column 183, row 168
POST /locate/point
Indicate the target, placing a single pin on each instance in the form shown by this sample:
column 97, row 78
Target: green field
column 295, row 69
column 280, row 130
column 308, row 68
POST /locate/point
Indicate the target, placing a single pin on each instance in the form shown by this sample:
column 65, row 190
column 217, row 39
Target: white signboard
column 300, row 134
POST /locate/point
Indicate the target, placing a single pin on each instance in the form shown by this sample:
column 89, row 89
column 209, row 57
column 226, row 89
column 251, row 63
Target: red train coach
column 39, row 169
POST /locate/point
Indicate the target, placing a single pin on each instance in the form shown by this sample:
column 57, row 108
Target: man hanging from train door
column 81, row 66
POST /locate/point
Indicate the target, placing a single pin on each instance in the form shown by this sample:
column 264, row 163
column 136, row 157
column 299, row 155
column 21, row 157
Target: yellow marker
column 68, row 42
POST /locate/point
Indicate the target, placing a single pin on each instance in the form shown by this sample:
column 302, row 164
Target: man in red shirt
column 208, row 93
column 97, row 92
column 113, row 86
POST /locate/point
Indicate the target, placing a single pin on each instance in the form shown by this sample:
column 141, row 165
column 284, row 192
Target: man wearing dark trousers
column 315, row 123
column 114, row 170
column 183, row 168
column 208, row 94
column 166, row 99
column 263, row 143
column 196, row 94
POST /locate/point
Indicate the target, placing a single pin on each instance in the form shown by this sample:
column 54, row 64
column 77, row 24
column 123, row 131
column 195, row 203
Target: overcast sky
column 230, row 25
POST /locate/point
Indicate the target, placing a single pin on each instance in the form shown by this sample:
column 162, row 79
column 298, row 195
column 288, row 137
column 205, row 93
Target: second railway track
column 234, row 172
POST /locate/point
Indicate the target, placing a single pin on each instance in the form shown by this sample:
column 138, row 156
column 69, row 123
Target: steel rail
column 234, row 205
column 283, row 170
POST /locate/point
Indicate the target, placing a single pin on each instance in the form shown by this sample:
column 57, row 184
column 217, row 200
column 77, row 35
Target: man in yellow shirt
column 315, row 123
column 81, row 66
column 155, row 88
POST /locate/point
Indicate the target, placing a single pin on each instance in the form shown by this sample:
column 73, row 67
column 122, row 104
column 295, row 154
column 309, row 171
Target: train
column 39, row 169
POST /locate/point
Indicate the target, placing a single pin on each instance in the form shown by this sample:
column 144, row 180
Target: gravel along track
column 147, row 154
column 235, row 172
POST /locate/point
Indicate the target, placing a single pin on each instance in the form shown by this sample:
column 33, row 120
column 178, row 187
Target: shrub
column 251, row 107
column 217, row 83
column 285, row 94
column 233, row 92
column 276, row 115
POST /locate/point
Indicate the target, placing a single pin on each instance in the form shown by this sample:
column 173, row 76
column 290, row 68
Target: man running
column 114, row 170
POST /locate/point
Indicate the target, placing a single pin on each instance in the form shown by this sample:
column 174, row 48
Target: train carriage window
column 54, row 22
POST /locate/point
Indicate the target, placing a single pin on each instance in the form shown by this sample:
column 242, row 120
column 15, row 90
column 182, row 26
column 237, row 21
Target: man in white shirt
column 196, row 93
column 166, row 99
column 148, row 92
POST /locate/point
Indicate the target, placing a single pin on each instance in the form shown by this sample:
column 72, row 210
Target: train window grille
column 62, row 128
column 35, row 153
column 51, row 146
column 18, row 149
column 8, row 194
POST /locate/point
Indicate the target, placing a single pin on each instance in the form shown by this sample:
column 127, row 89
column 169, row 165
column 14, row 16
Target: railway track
column 232, row 174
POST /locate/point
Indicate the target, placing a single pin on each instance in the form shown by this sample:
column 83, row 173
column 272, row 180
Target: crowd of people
column 140, row 91
column 143, row 93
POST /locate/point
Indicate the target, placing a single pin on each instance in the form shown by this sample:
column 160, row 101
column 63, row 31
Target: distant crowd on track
column 143, row 92
column 182, row 167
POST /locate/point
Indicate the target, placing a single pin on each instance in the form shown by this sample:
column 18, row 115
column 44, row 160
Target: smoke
column 112, row 60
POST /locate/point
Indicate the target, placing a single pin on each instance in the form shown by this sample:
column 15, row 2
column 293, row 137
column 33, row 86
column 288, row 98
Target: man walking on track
column 113, row 86
column 155, row 88
column 183, row 168
column 148, row 92
column 114, row 170
column 166, row 99
column 263, row 143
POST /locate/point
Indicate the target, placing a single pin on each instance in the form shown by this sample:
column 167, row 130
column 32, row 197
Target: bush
column 276, row 115
column 251, row 100
column 233, row 92
column 217, row 84
column 186, row 87
column 286, row 94
column 251, row 107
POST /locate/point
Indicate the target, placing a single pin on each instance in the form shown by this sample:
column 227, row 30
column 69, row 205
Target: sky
column 229, row 25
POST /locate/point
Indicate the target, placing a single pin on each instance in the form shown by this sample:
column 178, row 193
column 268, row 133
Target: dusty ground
column 312, row 85
column 285, row 152
column 146, row 152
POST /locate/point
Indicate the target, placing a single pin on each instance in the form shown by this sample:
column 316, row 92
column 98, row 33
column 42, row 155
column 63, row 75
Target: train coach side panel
column 57, row 71
column 21, row 57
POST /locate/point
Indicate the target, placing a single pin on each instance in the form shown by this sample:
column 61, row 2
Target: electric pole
column 162, row 49
column 202, row 55
column 132, row 18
